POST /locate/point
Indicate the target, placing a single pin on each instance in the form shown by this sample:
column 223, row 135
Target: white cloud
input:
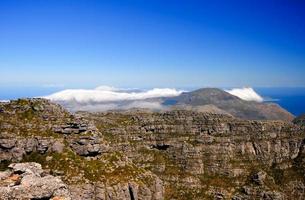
column 92, row 107
column 144, row 104
column 110, row 88
column 105, row 98
column 109, row 94
column 246, row 93
column 106, row 88
column 100, row 107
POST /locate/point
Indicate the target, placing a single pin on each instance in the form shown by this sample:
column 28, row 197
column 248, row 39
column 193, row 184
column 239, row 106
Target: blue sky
column 152, row 43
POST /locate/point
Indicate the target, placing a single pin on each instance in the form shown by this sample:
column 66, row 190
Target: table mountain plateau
column 48, row 153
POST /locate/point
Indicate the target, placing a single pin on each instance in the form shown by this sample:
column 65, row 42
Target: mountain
column 48, row 153
column 208, row 100
column 209, row 108
column 230, row 104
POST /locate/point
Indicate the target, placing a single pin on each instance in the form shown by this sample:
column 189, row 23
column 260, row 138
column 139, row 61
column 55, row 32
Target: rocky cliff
column 71, row 149
column 146, row 155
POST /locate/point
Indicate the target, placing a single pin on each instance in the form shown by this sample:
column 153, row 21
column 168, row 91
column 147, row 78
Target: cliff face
column 168, row 155
column 67, row 146
column 202, row 156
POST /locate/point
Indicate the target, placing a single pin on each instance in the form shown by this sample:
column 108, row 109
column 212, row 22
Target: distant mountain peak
column 231, row 104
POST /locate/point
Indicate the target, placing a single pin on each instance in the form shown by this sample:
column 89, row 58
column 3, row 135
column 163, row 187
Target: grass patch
column 77, row 168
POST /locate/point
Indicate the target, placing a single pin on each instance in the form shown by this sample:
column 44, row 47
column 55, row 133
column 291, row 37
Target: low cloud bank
column 110, row 94
column 100, row 107
column 246, row 93
column 105, row 98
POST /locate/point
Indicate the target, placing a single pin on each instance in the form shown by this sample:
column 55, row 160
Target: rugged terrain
column 146, row 155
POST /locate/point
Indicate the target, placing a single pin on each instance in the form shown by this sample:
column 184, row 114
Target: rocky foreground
column 49, row 153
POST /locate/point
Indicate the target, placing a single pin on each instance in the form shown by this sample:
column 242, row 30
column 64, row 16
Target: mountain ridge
column 231, row 104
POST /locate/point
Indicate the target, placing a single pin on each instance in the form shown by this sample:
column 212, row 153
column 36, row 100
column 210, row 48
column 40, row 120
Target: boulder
column 29, row 181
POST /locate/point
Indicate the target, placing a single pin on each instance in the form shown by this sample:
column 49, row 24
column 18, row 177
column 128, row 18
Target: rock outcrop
column 88, row 146
column 13, row 149
column 28, row 181
column 69, row 146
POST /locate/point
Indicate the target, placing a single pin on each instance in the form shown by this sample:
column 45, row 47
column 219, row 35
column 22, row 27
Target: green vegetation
column 4, row 165
column 77, row 168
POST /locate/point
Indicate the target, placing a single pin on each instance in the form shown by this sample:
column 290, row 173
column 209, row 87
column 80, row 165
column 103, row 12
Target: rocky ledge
column 78, row 162
column 29, row 181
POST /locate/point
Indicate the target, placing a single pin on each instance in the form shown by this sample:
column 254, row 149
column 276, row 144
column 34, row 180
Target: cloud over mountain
column 105, row 106
column 246, row 93
column 243, row 103
column 110, row 94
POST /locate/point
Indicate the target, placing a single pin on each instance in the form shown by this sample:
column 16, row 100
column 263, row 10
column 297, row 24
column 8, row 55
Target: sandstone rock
column 30, row 145
column 88, row 146
column 259, row 177
column 43, row 146
column 7, row 143
column 31, row 183
column 58, row 147
column 120, row 191
column 14, row 149
column 26, row 168
column 75, row 127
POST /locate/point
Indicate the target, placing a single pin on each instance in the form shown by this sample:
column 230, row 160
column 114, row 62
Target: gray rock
column 43, row 146
column 58, row 147
column 26, row 168
column 29, row 182
column 259, row 177
column 31, row 145
column 75, row 127
column 87, row 146
column 7, row 143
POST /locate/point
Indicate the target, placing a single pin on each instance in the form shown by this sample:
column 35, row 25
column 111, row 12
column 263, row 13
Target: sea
column 290, row 98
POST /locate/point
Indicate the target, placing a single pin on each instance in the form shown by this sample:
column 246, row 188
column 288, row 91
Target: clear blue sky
column 148, row 43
